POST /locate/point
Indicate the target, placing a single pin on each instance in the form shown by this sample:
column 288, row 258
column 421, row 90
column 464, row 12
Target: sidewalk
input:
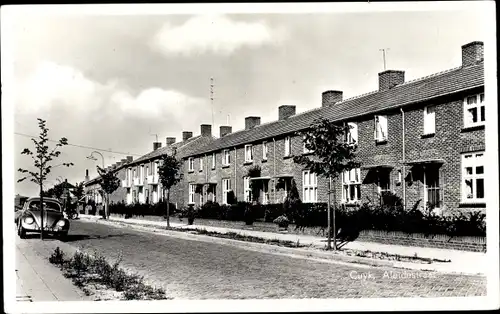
column 461, row 261
column 37, row 280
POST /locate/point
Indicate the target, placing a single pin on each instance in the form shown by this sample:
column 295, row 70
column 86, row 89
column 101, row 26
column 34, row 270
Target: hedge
column 367, row 217
column 137, row 209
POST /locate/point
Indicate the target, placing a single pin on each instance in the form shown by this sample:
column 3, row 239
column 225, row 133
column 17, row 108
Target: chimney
column 472, row 53
column 170, row 141
column 124, row 161
column 156, row 145
column 87, row 177
column 206, row 129
column 186, row 135
column 251, row 122
column 130, row 158
column 118, row 164
column 331, row 97
column 390, row 78
column 225, row 130
column 285, row 111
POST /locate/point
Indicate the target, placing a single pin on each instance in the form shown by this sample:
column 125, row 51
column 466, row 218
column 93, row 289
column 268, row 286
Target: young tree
column 169, row 175
column 109, row 183
column 331, row 156
column 42, row 158
column 79, row 190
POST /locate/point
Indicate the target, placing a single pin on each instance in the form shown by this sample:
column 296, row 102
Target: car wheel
column 21, row 232
column 63, row 236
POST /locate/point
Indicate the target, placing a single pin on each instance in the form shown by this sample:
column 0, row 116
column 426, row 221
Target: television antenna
column 384, row 50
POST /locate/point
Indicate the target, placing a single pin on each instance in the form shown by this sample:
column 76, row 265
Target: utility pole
column 383, row 54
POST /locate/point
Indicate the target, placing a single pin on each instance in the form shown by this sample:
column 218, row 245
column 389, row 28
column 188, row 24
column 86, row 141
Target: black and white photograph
column 250, row 157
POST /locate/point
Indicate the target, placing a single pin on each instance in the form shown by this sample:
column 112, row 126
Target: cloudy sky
column 114, row 81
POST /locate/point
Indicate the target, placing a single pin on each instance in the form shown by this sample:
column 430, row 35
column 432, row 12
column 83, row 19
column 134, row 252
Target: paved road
column 201, row 270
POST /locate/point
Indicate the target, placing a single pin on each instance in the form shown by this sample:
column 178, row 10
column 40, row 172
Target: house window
column 430, row 120
column 192, row 193
column 305, row 150
column 246, row 188
column 351, row 184
column 226, row 158
column 474, row 111
column 226, row 187
column 135, row 174
column 431, row 187
column 248, row 153
column 201, row 163
column 202, row 195
column 134, row 196
column 148, row 170
column 155, row 194
column 309, row 187
column 351, row 135
column 191, row 164
column 147, row 195
column 264, row 150
column 213, row 161
column 473, row 177
column 287, row 146
column 141, row 195
column 265, row 192
column 380, row 133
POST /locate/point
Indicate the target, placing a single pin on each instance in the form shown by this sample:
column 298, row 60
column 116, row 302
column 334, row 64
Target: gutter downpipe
column 274, row 170
column 403, row 166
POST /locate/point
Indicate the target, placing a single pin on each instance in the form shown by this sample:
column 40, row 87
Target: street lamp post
column 91, row 156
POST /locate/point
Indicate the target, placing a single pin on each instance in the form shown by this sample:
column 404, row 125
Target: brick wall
column 474, row 244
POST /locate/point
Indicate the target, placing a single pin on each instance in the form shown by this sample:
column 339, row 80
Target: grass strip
column 94, row 270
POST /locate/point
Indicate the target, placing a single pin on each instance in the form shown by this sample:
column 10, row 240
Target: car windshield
column 47, row 205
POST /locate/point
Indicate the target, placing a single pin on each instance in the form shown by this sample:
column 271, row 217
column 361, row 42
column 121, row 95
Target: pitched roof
column 435, row 85
column 184, row 148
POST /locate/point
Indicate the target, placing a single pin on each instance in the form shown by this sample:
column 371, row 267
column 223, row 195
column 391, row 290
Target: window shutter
column 375, row 124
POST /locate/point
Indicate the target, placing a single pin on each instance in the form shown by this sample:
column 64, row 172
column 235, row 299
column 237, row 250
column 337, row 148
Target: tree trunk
column 329, row 243
column 334, row 222
column 168, row 208
column 41, row 204
column 106, row 209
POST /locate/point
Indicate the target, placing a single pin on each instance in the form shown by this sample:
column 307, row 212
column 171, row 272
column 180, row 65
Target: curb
column 308, row 253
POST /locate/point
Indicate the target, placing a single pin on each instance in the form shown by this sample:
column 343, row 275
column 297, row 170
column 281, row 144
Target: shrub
column 282, row 221
column 57, row 257
column 249, row 217
column 211, row 210
column 273, row 211
column 292, row 201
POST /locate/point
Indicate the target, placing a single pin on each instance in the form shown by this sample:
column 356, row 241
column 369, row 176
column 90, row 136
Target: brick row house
column 422, row 140
column 139, row 179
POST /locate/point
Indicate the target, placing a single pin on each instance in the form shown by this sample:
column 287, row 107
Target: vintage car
column 29, row 218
